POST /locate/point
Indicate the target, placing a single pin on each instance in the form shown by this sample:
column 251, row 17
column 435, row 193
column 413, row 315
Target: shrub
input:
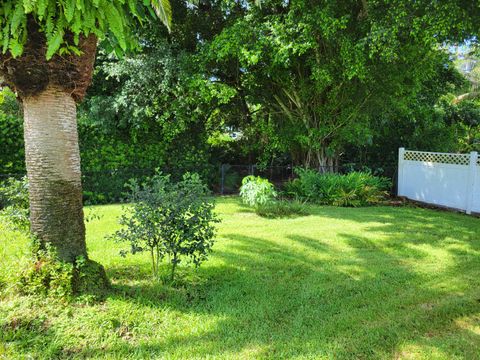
column 352, row 189
column 108, row 186
column 168, row 219
column 256, row 191
column 14, row 204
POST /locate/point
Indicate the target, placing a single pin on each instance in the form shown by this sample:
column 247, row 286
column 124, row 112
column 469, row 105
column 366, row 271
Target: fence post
column 401, row 163
column 472, row 174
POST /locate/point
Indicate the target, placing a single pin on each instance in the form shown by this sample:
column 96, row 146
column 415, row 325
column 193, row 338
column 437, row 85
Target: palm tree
column 48, row 60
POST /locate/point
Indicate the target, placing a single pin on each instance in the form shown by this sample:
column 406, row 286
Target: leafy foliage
column 14, row 204
column 353, row 189
column 312, row 82
column 168, row 219
column 312, row 74
column 256, row 191
column 45, row 275
column 110, row 19
column 12, row 158
column 309, row 83
column 464, row 119
column 150, row 113
column 314, row 79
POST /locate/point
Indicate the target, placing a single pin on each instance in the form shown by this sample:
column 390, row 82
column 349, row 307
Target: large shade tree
column 47, row 56
column 318, row 71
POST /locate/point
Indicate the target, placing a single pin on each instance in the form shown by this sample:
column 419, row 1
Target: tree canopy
column 308, row 82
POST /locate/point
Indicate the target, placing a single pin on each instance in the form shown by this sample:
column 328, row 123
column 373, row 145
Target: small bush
column 168, row 219
column 353, row 189
column 256, row 191
column 14, row 204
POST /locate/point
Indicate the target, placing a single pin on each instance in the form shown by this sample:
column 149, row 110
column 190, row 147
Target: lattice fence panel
column 443, row 158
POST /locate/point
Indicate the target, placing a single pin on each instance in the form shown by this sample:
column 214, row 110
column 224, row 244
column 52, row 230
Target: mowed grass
column 340, row 283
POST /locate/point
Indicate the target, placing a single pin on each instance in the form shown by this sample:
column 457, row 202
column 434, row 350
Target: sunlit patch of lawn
column 343, row 283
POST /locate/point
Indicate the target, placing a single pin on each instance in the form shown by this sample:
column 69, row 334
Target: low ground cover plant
column 44, row 275
column 353, row 189
column 170, row 220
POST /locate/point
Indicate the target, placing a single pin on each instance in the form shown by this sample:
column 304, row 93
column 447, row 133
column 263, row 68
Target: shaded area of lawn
column 365, row 283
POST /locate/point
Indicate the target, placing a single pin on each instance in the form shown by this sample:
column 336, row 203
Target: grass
column 343, row 283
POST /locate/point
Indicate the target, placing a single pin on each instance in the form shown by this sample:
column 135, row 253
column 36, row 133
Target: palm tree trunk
column 53, row 168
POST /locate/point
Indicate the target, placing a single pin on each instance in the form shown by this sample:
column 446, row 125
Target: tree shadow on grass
column 22, row 334
column 355, row 297
column 401, row 221
column 304, row 298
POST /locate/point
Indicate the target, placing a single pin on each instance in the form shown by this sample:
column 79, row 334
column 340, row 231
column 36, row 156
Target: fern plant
column 353, row 189
column 110, row 19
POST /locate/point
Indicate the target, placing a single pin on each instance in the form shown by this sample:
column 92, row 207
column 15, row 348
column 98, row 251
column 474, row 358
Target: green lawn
column 341, row 283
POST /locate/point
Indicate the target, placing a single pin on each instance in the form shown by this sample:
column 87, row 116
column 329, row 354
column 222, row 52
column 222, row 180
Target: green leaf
column 28, row 5
column 115, row 22
column 6, row 38
column 42, row 8
column 17, row 18
column 16, row 48
column 69, row 9
column 132, row 5
column 54, row 43
column 163, row 10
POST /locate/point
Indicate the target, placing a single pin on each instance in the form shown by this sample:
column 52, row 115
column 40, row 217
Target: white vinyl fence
column 451, row 180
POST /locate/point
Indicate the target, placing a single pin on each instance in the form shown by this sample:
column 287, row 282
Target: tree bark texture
column 53, row 168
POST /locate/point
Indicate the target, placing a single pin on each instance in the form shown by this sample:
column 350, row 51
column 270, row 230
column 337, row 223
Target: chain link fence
column 231, row 175
column 108, row 186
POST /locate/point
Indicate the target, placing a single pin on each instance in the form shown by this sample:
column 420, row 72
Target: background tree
column 157, row 108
